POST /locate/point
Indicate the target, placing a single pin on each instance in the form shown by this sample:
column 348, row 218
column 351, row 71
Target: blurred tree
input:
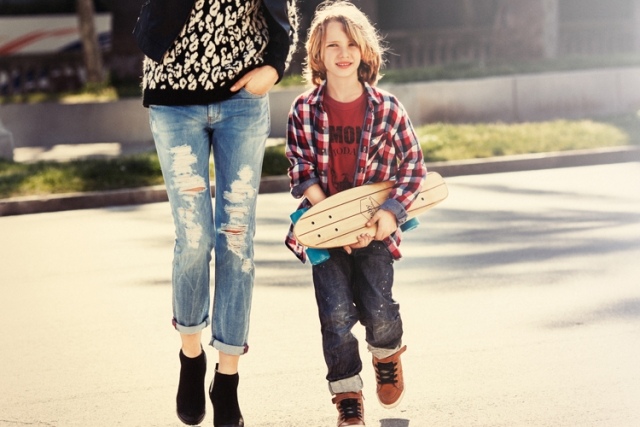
column 88, row 37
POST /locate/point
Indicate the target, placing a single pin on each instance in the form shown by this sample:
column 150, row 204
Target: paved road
column 519, row 294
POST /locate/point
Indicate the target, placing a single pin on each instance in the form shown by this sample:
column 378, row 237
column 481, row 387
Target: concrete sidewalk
column 519, row 296
column 88, row 200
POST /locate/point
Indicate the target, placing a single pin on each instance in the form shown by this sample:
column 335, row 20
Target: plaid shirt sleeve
column 411, row 167
column 304, row 163
column 396, row 155
column 299, row 149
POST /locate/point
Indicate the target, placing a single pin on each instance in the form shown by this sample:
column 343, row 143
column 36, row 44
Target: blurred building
column 418, row 33
column 428, row 32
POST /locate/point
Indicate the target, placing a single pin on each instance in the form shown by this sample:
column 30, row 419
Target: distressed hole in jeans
column 190, row 185
column 242, row 193
column 195, row 190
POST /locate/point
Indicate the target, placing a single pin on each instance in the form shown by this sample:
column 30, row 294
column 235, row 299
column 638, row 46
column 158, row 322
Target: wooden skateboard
column 338, row 220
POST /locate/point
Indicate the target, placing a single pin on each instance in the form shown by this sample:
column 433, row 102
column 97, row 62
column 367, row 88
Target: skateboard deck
column 338, row 220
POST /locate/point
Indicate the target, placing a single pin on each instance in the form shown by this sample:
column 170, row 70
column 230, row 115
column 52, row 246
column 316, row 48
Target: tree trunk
column 90, row 48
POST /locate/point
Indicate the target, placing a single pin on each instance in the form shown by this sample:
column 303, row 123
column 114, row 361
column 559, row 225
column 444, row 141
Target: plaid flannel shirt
column 388, row 151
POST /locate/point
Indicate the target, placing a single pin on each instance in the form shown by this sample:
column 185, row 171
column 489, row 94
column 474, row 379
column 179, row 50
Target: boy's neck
column 344, row 91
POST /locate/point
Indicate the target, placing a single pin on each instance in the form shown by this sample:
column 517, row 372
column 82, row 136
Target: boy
column 341, row 134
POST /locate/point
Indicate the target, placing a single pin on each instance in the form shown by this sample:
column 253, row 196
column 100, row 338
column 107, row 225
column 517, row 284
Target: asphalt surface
column 519, row 296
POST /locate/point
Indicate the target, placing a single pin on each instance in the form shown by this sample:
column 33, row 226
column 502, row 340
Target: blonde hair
column 357, row 27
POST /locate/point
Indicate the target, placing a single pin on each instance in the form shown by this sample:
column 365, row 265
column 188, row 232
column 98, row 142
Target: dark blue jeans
column 352, row 288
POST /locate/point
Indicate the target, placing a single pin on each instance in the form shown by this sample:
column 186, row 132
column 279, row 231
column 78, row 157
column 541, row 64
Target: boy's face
column 340, row 55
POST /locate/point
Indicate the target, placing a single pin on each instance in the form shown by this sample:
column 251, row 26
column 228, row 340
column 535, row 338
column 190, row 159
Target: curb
column 527, row 162
column 157, row 193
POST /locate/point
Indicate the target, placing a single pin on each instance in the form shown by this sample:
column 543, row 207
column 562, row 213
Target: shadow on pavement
column 394, row 422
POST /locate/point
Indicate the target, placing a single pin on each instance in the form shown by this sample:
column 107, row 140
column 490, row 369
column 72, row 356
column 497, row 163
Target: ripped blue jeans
column 235, row 130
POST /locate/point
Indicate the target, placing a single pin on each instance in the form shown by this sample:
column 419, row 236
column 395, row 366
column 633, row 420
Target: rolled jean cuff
column 383, row 353
column 190, row 330
column 232, row 350
column 347, row 385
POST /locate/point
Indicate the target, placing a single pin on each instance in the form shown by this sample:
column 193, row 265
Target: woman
column 208, row 67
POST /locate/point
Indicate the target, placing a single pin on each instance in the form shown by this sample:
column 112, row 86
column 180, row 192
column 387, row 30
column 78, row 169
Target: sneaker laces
column 350, row 408
column 386, row 372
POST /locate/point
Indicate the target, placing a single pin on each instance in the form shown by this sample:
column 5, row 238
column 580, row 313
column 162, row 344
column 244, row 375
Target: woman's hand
column 258, row 81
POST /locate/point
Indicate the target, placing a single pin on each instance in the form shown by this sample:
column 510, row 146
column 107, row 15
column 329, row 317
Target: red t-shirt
column 345, row 131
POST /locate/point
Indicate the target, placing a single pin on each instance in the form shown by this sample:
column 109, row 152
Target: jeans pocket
column 245, row 93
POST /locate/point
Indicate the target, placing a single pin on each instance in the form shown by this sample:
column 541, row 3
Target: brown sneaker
column 350, row 409
column 390, row 388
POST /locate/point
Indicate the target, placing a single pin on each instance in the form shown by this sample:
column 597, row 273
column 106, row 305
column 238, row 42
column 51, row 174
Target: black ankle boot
column 224, row 397
column 190, row 401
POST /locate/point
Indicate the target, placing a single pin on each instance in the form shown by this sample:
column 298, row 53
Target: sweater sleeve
column 282, row 39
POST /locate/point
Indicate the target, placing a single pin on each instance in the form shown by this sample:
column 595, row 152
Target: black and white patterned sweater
column 220, row 42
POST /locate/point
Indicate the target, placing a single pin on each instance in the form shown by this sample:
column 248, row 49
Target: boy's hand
column 257, row 81
column 363, row 242
column 386, row 222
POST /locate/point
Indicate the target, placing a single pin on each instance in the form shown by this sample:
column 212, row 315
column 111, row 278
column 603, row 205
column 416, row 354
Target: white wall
column 507, row 99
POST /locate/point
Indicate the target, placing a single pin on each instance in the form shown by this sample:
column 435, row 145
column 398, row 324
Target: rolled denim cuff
column 298, row 190
column 232, row 350
column 397, row 209
column 383, row 353
column 189, row 330
column 346, row 385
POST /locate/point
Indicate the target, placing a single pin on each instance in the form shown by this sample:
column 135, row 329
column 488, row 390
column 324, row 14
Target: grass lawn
column 442, row 142
column 439, row 142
